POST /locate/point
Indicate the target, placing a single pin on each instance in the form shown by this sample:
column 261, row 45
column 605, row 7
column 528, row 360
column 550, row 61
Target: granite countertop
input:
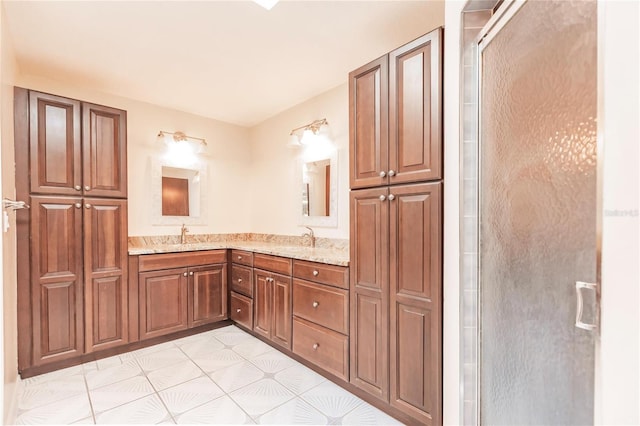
column 331, row 256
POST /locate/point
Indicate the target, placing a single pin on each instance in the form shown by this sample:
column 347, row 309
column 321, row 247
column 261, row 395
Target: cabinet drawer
column 325, row 348
column 153, row 262
column 321, row 304
column 322, row 273
column 242, row 280
column 242, row 257
column 242, row 310
column 281, row 265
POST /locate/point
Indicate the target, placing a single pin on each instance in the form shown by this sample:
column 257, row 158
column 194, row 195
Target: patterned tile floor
column 223, row 376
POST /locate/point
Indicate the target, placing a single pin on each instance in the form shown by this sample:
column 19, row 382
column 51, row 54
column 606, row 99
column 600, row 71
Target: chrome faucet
column 183, row 234
column 311, row 236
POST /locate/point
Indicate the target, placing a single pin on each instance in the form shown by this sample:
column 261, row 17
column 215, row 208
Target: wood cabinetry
column 272, row 299
column 72, row 244
column 181, row 290
column 241, row 295
column 396, row 229
column 395, row 116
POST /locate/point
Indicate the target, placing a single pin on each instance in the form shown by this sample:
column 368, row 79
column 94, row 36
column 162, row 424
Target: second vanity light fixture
column 304, row 135
column 197, row 144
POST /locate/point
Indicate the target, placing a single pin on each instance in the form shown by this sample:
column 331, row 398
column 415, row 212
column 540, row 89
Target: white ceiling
column 229, row 60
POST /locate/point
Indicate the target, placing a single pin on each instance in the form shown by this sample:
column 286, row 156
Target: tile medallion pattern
column 223, row 376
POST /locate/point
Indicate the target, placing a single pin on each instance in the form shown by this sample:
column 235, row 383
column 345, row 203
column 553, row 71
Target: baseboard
column 13, row 389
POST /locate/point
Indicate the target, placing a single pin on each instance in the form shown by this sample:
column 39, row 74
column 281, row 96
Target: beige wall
column 276, row 192
column 8, row 71
column 227, row 158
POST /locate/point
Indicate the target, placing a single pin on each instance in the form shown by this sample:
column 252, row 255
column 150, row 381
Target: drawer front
column 242, row 280
column 281, row 265
column 153, row 262
column 325, row 348
column 241, row 310
column 322, row 273
column 327, row 306
column 242, row 257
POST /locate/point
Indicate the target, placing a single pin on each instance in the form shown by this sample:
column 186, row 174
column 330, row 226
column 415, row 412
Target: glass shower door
column 537, row 213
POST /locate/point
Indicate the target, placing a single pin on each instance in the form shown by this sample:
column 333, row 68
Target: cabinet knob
column 315, row 346
column 191, row 273
column 382, row 198
column 77, row 187
column 391, row 173
column 238, row 310
column 185, row 274
column 87, row 206
column 239, row 257
column 78, row 205
column 383, row 174
column 239, row 280
column 87, row 188
column 315, row 273
column 392, row 197
column 315, row 304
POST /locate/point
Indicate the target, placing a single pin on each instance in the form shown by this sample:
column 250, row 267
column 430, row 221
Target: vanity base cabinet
column 163, row 302
column 272, row 307
column 208, row 294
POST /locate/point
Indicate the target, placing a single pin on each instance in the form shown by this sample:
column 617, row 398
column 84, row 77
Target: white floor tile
column 331, row 400
column 151, row 349
column 174, row 374
column 233, row 337
column 202, row 346
column 299, row 379
column 260, row 397
column 105, row 363
column 217, row 360
column 273, row 362
column 188, row 395
column 251, row 348
column 65, row 411
column 54, row 375
column 87, row 421
column 160, row 359
column 366, row 414
column 237, row 376
column 293, row 412
column 114, row 374
column 119, row 393
column 219, row 411
column 148, row 410
column 46, row 392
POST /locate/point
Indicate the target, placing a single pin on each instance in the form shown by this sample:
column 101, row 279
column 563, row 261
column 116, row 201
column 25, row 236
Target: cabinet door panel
column 415, row 104
column 55, row 144
column 416, row 300
column 262, row 302
column 104, row 151
column 368, row 124
column 163, row 302
column 208, row 293
column 105, row 264
column 281, row 288
column 56, row 279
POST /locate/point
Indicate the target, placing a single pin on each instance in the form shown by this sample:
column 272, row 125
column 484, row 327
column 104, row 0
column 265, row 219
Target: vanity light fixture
column 169, row 138
column 309, row 133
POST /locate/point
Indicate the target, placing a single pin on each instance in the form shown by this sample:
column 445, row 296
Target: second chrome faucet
column 183, row 234
column 311, row 236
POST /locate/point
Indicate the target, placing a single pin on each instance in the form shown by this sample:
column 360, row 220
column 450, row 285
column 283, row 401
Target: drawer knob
column 315, row 304
column 238, row 310
column 239, row 280
column 315, row 346
column 191, row 273
column 185, row 274
column 239, row 257
column 315, row 273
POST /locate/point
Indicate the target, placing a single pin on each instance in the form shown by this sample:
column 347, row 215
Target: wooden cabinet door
column 104, row 136
column 163, row 302
column 262, row 303
column 368, row 124
column 208, row 294
column 416, row 301
column 369, row 291
column 415, row 110
column 56, row 279
column 55, row 160
column 281, row 308
column 105, row 265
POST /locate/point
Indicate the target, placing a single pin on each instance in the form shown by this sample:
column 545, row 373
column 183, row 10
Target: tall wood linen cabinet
column 396, row 229
column 72, row 243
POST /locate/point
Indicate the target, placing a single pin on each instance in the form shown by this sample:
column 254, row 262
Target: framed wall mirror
column 178, row 194
column 319, row 189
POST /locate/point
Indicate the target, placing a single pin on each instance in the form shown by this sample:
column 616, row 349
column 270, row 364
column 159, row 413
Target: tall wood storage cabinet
column 396, row 229
column 72, row 243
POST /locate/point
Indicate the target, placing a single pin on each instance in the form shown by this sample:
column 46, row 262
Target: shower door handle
column 580, row 285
